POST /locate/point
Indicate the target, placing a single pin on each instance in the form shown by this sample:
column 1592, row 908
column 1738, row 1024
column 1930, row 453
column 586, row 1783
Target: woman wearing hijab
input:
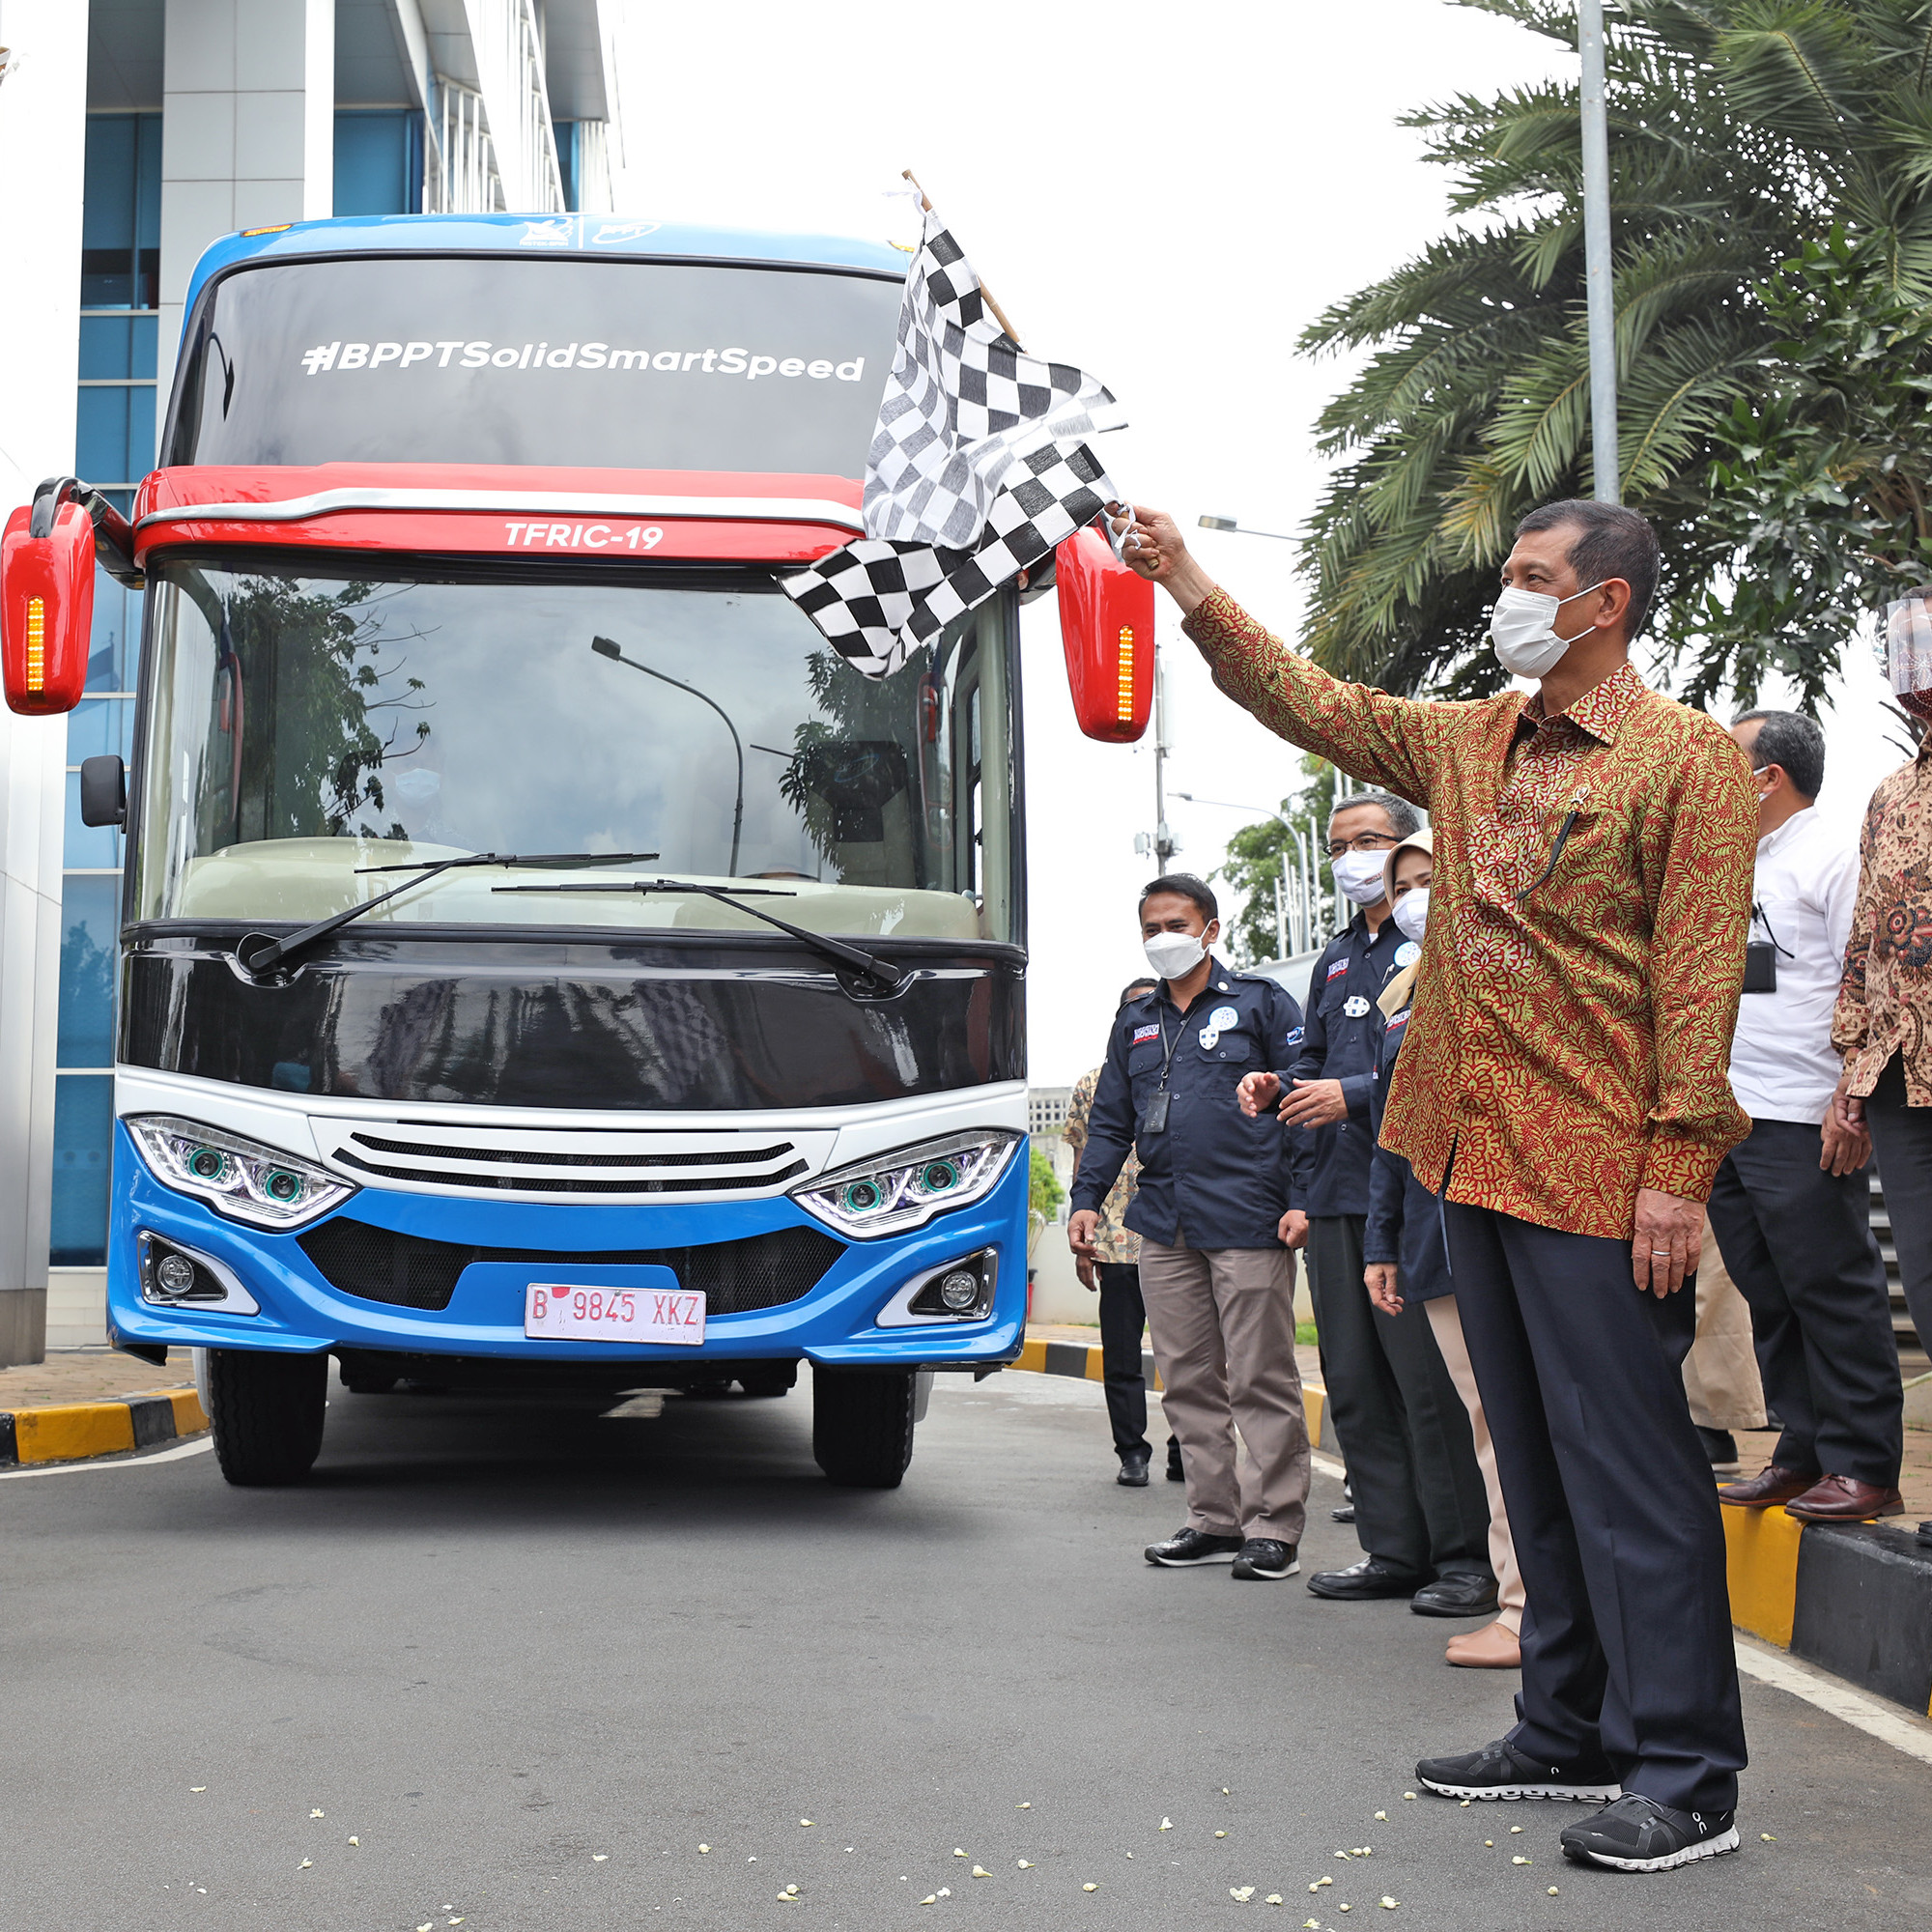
column 1405, row 1259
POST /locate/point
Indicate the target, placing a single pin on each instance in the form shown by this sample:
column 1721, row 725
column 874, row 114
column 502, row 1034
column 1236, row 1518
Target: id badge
column 1154, row 1120
column 1760, row 967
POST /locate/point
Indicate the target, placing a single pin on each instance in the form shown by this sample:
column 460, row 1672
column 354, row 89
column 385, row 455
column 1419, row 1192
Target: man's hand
column 1314, row 1103
column 1084, row 1268
column 1080, row 1226
column 1669, row 1234
column 1378, row 1278
column 1154, row 549
column 1255, row 1091
column 1292, row 1233
column 1847, row 1108
column 1845, row 1149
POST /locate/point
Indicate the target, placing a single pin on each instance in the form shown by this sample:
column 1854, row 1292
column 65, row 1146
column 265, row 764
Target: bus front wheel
column 267, row 1415
column 862, row 1424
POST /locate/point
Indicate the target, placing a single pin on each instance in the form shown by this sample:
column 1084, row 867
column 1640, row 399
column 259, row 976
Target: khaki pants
column 1222, row 1324
column 1448, row 1327
column 1720, row 1376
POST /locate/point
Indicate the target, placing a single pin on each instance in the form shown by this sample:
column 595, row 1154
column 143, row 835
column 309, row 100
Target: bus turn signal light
column 46, row 610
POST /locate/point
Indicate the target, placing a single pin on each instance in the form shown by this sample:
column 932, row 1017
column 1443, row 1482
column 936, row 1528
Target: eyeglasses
column 1367, row 841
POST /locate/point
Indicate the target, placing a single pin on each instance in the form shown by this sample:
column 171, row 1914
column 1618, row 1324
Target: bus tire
column 769, row 1379
column 862, row 1424
column 267, row 1415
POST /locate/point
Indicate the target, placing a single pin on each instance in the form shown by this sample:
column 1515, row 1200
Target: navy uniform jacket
column 1213, row 1178
column 1405, row 1223
column 1340, row 1043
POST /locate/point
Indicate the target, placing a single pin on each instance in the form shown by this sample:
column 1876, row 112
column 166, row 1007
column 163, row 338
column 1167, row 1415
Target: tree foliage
column 1771, row 187
column 1254, row 861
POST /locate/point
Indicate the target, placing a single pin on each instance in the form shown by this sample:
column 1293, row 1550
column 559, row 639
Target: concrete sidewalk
column 82, row 1403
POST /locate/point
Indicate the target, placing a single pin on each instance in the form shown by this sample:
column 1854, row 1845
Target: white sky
column 1166, row 197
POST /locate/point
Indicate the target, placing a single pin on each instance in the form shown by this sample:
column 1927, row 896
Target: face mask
column 1175, row 954
column 1359, row 874
column 1522, row 627
column 1411, row 913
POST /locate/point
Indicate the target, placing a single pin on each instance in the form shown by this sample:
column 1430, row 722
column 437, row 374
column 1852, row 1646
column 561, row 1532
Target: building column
column 42, row 151
column 247, row 131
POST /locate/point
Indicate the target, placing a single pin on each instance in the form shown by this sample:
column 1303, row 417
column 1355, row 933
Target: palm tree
column 1770, row 191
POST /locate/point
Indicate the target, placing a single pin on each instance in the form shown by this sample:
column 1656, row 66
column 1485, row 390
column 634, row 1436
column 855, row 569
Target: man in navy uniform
column 1218, row 1283
column 1388, row 1384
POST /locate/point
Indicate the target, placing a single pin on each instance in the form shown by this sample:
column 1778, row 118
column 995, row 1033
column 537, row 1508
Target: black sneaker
column 1640, row 1835
column 1501, row 1771
column 1193, row 1545
column 1133, row 1471
column 1264, row 1559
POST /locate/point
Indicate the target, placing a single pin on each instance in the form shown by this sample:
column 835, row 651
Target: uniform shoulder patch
column 1141, row 1033
column 1337, row 966
column 1400, row 1019
column 1292, row 1036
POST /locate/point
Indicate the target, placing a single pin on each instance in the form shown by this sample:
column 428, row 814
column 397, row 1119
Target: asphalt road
column 536, row 1661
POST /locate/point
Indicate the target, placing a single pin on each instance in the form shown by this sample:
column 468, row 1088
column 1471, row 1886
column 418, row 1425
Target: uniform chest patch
column 1336, row 966
column 1145, row 1033
column 1354, row 1005
column 1407, row 952
column 1223, row 1018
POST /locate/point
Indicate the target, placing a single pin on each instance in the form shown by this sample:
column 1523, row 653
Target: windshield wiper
column 883, row 974
column 258, row 953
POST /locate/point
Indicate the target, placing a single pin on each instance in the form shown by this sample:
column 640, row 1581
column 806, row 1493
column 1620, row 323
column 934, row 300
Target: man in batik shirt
column 1564, row 1089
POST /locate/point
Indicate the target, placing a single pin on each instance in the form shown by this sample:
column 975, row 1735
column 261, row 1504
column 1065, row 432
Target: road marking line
column 1877, row 1718
column 1328, row 1464
column 180, row 1449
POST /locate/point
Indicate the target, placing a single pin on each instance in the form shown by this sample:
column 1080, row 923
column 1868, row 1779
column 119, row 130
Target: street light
column 1304, row 871
column 1600, row 293
column 1228, row 523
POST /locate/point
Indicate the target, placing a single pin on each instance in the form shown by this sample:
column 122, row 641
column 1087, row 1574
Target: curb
column 73, row 1431
column 1084, row 1362
column 1854, row 1599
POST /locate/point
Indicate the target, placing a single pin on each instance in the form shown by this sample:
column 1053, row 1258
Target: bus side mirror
column 104, row 790
column 47, row 605
column 1106, row 625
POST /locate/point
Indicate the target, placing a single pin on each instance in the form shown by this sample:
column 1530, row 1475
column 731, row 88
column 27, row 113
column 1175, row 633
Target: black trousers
column 1122, row 1318
column 1412, row 1472
column 1902, row 1136
column 1627, row 1639
column 1798, row 1242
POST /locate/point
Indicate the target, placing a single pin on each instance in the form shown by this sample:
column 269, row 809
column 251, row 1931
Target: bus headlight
column 907, row 1187
column 239, row 1178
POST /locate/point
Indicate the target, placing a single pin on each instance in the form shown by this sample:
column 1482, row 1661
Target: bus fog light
column 174, row 1275
column 960, row 1291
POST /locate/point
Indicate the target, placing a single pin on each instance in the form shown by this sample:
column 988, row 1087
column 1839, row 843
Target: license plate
column 560, row 1311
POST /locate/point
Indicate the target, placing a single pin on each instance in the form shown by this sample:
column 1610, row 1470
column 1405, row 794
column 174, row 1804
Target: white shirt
column 1783, row 1066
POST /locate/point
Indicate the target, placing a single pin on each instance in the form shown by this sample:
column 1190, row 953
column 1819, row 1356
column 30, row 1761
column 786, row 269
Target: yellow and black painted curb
column 71, row 1432
column 1854, row 1599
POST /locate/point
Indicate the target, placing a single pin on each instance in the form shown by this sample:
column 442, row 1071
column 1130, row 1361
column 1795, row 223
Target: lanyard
column 1154, row 1121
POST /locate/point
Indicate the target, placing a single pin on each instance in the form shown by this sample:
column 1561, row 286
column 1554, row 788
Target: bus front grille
column 408, row 1271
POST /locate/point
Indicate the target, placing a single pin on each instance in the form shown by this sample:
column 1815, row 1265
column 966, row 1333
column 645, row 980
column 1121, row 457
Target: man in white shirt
column 1791, row 1206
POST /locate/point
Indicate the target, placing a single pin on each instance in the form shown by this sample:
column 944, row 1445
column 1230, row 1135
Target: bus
column 545, row 964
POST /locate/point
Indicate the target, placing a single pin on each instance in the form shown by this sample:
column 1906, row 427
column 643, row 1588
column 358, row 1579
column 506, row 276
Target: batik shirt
column 1112, row 1241
column 1885, row 1001
column 1580, row 974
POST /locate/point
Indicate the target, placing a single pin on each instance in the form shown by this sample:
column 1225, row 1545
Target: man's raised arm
column 1385, row 740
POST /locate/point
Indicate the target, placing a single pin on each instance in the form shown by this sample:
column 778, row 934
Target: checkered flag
column 979, row 469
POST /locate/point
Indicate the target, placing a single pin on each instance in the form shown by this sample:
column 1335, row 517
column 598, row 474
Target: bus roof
column 591, row 235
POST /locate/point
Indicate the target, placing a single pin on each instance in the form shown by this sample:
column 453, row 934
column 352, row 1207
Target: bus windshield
column 310, row 717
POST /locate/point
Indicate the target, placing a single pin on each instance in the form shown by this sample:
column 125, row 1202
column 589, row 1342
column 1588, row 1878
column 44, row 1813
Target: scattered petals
column 600, row 1858
column 1516, row 1827
column 305, row 1864
column 1342, row 1908
column 1389, row 1904
column 1225, row 1792
column 1488, row 1841
column 1167, row 1824
column 315, row 1815
column 1768, row 1837
column 804, row 1821
column 197, row 1787
column 1243, row 1893
column 1519, row 1860
column 958, row 1853
column 355, row 1841
column 1220, row 1834
column 1408, row 1797
column 1553, row 1891
column 1026, row 1864
column 1090, row 1885
column 930, row 1898
column 791, row 1892
column 1466, row 1803
column 1025, row 1804
column 945, row 1891
column 704, row 1848
column 980, row 1871
column 1383, row 1816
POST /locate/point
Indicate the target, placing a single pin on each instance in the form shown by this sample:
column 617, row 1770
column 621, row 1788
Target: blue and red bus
column 545, row 963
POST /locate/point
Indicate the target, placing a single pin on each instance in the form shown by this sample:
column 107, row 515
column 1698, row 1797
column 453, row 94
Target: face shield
column 1908, row 642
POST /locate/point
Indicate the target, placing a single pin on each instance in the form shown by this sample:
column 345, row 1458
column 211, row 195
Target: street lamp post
column 1596, row 282
column 1305, row 893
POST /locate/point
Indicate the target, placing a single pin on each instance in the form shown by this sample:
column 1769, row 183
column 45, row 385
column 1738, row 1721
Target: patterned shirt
column 1885, row 1001
column 1112, row 1240
column 1585, row 950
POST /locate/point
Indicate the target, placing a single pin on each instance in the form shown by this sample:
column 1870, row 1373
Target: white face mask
column 1522, row 627
column 1359, row 874
column 1411, row 913
column 1175, row 954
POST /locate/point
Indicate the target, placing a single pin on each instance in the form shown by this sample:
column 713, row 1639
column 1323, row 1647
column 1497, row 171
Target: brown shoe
column 1773, row 1484
column 1844, row 1500
column 1493, row 1647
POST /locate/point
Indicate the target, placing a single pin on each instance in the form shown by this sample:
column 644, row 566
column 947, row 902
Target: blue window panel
column 90, row 955
column 92, row 848
column 568, row 139
column 83, row 1166
column 97, row 725
column 106, row 346
column 120, row 211
column 378, row 161
column 114, row 435
column 114, row 639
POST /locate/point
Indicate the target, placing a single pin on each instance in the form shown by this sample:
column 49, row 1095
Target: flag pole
column 999, row 313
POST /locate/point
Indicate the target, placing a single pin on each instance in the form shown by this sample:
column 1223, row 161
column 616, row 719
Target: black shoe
column 1456, row 1595
column 1364, row 1581
column 1193, row 1545
column 1720, row 1448
column 1501, row 1771
column 1134, row 1470
column 1640, row 1835
column 1263, row 1558
column 1345, row 1514
column 1175, row 1472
